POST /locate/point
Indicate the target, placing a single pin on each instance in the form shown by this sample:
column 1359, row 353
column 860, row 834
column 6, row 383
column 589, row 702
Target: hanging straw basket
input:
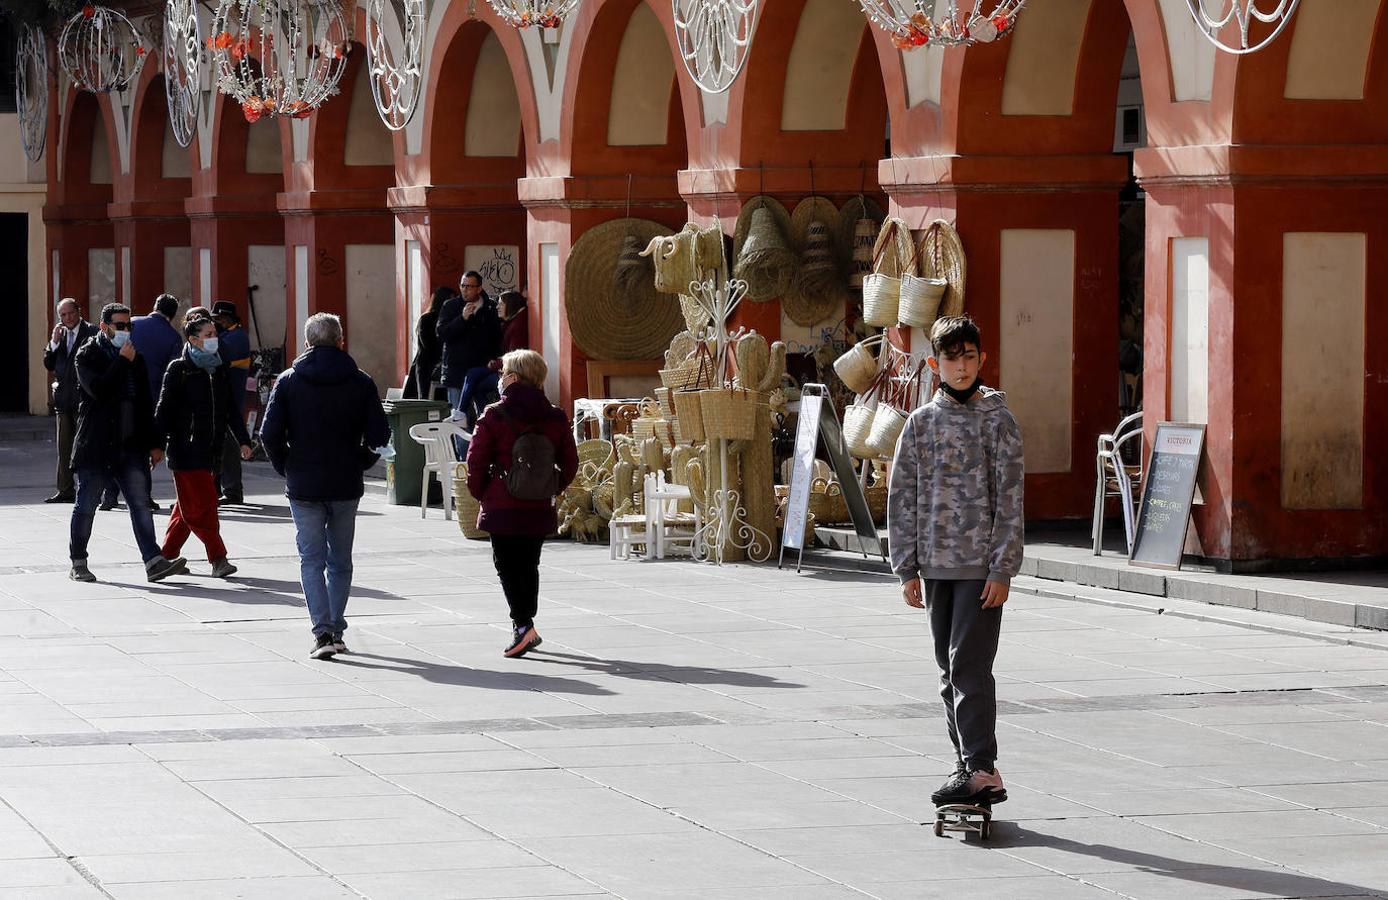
column 942, row 257
column 762, row 253
column 611, row 324
column 730, row 414
column 887, row 425
column 690, row 412
column 920, row 300
column 857, row 426
column 466, row 505
column 858, row 366
column 894, row 255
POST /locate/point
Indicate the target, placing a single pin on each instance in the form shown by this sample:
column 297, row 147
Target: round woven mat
column 942, row 256
column 636, row 323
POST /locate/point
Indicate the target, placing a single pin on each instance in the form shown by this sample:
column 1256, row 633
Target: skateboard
column 964, row 817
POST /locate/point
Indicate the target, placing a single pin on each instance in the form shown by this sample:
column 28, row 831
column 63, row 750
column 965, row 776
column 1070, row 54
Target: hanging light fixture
column 183, row 64
column 714, row 38
column 395, row 80
column 31, row 90
column 101, row 50
column 943, row 23
column 524, row 13
column 279, row 57
column 1243, row 13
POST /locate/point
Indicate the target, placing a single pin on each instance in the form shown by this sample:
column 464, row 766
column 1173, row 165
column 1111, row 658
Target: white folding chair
column 440, row 456
column 1111, row 469
column 667, row 528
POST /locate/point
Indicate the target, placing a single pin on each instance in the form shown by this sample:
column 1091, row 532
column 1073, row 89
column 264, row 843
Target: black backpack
column 533, row 474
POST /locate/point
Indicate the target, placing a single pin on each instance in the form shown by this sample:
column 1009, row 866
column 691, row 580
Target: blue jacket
column 159, row 343
column 234, row 346
column 323, row 417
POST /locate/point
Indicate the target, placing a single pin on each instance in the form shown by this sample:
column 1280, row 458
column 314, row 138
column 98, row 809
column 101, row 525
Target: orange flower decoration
column 88, row 11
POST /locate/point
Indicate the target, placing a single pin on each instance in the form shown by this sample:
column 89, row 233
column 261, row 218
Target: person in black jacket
column 470, row 329
column 428, row 352
column 71, row 332
column 116, row 438
column 196, row 408
column 322, row 423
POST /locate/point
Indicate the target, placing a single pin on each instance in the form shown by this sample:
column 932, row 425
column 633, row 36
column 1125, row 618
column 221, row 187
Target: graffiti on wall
column 500, row 266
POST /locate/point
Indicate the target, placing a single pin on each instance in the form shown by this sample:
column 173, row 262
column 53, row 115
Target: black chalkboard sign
column 1166, row 498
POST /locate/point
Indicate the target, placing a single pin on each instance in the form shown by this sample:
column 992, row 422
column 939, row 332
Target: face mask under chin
column 961, row 395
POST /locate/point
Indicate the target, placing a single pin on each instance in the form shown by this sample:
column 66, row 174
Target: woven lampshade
column 864, row 236
column 762, row 252
column 608, row 322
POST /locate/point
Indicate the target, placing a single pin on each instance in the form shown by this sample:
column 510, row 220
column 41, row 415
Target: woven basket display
column 881, row 299
column 920, row 300
column 761, row 249
column 667, row 404
column 690, row 413
column 466, row 506
column 819, row 290
column 858, row 366
column 857, row 426
column 887, row 424
column 682, row 379
column 607, row 323
column 827, row 503
column 877, row 502
column 942, row 257
column 730, row 413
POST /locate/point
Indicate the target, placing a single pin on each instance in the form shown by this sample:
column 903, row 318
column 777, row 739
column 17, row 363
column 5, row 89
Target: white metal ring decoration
column 101, row 50
column 544, row 13
column 183, row 65
column 279, row 57
column 31, row 90
column 943, row 23
column 395, row 80
column 714, row 38
column 1243, row 13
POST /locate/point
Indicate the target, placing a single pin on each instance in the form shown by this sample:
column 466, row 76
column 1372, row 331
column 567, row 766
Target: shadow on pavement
column 1262, row 882
column 644, row 671
column 441, row 673
column 262, row 590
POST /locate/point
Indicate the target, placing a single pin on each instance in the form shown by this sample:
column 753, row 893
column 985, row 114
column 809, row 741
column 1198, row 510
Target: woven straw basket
column 858, row 366
column 887, row 424
column 467, row 506
column 881, row 299
column 684, row 378
column 942, row 256
column 690, row 412
column 857, row 426
column 730, row 413
column 920, row 300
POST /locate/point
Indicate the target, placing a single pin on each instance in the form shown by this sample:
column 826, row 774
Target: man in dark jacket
column 234, row 344
column 470, row 329
column 71, row 332
column 116, row 438
column 322, row 423
column 157, row 340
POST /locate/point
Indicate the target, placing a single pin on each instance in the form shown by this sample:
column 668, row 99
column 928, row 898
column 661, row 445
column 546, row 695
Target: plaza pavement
column 685, row 731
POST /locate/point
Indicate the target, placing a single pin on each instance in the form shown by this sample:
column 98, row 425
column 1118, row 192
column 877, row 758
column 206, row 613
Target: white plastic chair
column 624, row 534
column 666, row 527
column 440, row 456
column 1110, row 467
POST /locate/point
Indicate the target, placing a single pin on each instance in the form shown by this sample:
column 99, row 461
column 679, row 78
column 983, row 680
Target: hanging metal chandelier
column 31, row 90
column 1244, row 13
column 943, row 23
column 279, row 57
column 714, row 38
column 524, row 13
column 395, row 75
column 101, row 50
column 183, row 65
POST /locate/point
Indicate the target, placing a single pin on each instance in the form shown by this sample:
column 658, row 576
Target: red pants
column 194, row 512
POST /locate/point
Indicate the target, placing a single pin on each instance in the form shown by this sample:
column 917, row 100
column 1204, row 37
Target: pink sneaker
column 985, row 786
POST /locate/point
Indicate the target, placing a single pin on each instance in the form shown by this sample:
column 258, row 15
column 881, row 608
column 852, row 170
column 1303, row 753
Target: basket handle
column 892, row 228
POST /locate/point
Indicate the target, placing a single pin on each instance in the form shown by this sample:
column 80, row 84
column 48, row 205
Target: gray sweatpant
column 966, row 641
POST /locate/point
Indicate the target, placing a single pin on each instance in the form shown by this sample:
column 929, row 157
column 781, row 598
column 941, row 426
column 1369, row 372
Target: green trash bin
column 404, row 471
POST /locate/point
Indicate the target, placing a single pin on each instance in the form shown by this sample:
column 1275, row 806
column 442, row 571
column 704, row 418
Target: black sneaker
column 978, row 787
column 323, row 647
column 160, row 568
column 80, row 572
column 62, row 497
column 950, row 788
column 524, row 638
column 339, row 644
column 107, row 504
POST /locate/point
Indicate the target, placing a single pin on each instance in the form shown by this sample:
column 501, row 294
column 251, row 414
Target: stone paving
column 685, row 731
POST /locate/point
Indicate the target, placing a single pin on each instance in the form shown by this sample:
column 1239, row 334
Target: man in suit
column 71, row 332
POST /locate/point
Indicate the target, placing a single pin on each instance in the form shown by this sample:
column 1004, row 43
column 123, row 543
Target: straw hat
column 608, row 322
column 820, row 287
column 942, row 256
column 761, row 249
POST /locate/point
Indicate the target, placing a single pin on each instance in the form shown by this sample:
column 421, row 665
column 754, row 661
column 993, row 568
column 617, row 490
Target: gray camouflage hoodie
column 954, row 507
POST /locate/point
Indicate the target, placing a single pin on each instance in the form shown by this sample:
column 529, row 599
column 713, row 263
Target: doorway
column 14, row 365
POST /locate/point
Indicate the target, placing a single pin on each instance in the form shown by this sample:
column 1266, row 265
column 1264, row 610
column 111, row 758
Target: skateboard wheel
column 984, row 829
column 939, row 829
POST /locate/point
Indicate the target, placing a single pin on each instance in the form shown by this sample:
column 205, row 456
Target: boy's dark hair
column 111, row 310
column 166, row 305
column 194, row 325
column 949, row 334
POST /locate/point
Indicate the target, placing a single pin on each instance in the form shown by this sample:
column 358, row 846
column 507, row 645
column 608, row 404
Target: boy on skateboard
column 954, row 521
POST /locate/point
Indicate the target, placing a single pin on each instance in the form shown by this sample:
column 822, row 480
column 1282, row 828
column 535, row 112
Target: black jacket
column 109, row 381
column 57, row 360
column 426, row 358
column 195, row 410
column 467, row 343
column 323, row 417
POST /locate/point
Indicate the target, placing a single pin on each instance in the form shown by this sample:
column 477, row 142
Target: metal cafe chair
column 1111, row 469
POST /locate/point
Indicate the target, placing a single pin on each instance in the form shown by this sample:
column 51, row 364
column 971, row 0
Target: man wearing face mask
column 116, row 438
column 71, row 332
column 234, row 346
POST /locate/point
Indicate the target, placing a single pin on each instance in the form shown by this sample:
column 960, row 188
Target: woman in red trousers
column 196, row 409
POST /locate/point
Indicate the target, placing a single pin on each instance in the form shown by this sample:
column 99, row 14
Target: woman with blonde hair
column 522, row 455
